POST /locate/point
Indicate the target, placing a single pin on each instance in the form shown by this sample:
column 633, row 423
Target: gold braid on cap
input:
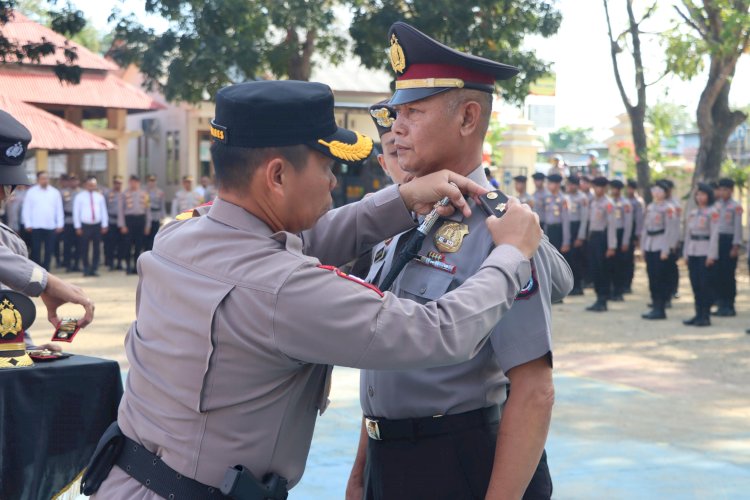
column 350, row 152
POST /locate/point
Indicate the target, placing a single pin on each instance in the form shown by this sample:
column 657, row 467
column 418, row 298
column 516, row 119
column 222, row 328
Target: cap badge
column 10, row 319
column 398, row 59
column 350, row 152
column 14, row 151
column 450, row 237
column 383, row 117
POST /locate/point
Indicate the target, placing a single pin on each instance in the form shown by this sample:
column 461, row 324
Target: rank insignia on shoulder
column 494, row 203
column 450, row 237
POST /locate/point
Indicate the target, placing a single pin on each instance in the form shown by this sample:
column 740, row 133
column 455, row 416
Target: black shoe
column 668, row 305
column 74, row 269
column 703, row 322
column 597, row 306
column 627, row 291
column 131, row 271
column 691, row 321
column 617, row 298
column 576, row 291
column 119, row 267
column 654, row 314
column 725, row 312
column 94, row 274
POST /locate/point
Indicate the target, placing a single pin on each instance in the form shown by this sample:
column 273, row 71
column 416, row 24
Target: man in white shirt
column 42, row 214
column 91, row 221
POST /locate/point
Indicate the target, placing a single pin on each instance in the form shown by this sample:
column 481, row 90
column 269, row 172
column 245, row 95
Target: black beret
column 632, row 183
column 265, row 114
column 662, row 184
column 538, row 176
column 14, row 143
column 574, row 179
column 713, row 184
column 135, row 178
column 726, row 182
column 554, row 178
column 600, row 181
column 616, row 183
column 669, row 183
column 425, row 67
column 586, row 178
column 383, row 115
column 520, row 178
column 706, row 188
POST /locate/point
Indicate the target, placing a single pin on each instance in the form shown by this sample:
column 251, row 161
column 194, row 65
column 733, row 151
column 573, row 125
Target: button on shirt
column 42, row 208
column 89, row 207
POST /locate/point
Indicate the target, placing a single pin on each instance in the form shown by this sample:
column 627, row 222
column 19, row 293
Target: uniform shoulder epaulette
column 195, row 212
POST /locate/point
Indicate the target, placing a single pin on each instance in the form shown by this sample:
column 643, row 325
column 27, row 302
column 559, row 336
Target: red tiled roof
column 50, row 132
column 23, row 30
column 102, row 90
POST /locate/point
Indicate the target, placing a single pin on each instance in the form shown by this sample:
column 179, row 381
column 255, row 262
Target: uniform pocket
column 424, row 284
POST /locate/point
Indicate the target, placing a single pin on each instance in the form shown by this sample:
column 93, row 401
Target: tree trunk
column 300, row 63
column 640, row 141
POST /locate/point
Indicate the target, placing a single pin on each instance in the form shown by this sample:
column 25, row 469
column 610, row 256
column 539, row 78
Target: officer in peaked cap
column 383, row 115
column 250, row 319
column 540, row 195
column 520, row 187
column 415, row 418
column 16, row 270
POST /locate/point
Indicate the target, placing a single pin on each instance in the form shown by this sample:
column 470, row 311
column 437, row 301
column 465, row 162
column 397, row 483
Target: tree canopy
column 570, row 139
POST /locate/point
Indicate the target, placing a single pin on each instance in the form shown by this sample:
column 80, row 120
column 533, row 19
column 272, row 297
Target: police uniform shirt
column 658, row 228
column 16, row 270
column 623, row 218
column 68, row 196
column 636, row 204
column 730, row 219
column 158, row 205
column 556, row 212
column 602, row 218
column 525, row 198
column 134, row 203
column 702, row 233
column 185, row 200
column 522, row 335
column 113, row 204
column 236, row 326
column 539, row 197
column 578, row 210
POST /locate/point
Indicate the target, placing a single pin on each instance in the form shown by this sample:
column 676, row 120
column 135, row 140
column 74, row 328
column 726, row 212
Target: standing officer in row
column 657, row 241
column 523, row 196
column 540, row 193
column 113, row 239
column 578, row 210
column 637, row 206
column 556, row 216
column 69, row 238
column 416, row 418
column 701, row 251
column 134, row 221
column 730, row 239
column 158, row 209
column 602, row 243
column 250, row 320
column 624, row 228
column 186, row 198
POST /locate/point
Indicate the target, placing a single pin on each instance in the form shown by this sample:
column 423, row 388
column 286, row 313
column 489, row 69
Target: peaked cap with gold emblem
column 267, row 114
column 425, row 67
column 383, row 115
column 17, row 313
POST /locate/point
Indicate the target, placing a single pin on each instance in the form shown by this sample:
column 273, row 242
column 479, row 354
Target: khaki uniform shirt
column 17, row 271
column 556, row 212
column 237, row 327
column 157, row 200
column 623, row 218
column 702, row 233
column 602, row 218
column 185, row 200
column 730, row 219
column 134, row 203
column 539, row 197
column 112, row 198
column 636, row 203
column 522, row 335
column 659, row 227
column 578, row 209
column 68, row 195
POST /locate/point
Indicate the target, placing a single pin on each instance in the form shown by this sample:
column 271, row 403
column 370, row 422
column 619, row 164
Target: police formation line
column 597, row 227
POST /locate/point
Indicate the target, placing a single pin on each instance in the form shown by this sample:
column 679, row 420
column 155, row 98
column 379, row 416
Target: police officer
column 134, row 221
column 656, row 242
column 556, row 216
column 624, row 227
column 578, row 208
column 701, row 251
column 113, row 239
column 637, row 206
column 158, row 209
column 730, row 239
column 673, row 272
column 249, row 319
column 519, row 183
column 16, row 270
column 540, row 194
column 585, row 188
column 69, row 238
column 602, row 243
column 186, row 198
column 417, row 417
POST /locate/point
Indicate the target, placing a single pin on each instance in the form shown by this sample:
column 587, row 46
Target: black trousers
column 70, row 246
column 658, row 279
column 132, row 245
column 630, row 263
column 575, row 257
column 112, row 245
column 43, row 246
column 619, row 267
column 673, row 272
column 725, row 280
column 700, row 280
column 149, row 240
column 455, row 466
column 92, row 235
column 555, row 234
column 601, row 266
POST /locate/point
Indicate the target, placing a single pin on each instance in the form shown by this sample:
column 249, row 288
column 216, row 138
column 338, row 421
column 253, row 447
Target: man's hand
column 624, row 248
column 58, row 230
column 518, row 227
column 734, row 252
column 105, row 230
column 58, row 293
column 578, row 243
column 610, row 253
column 124, row 230
column 28, row 229
column 664, row 255
column 565, row 249
column 79, row 232
column 709, row 262
column 50, row 347
column 421, row 194
column 147, row 231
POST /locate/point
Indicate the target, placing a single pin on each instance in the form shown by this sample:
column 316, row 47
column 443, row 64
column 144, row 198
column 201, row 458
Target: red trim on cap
column 419, row 71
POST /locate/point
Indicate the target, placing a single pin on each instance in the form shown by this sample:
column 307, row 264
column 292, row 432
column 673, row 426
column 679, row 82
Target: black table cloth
column 51, row 417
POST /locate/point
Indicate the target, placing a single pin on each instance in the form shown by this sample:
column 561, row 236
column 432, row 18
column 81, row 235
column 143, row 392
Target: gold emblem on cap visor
column 350, row 152
column 398, row 59
column 383, row 117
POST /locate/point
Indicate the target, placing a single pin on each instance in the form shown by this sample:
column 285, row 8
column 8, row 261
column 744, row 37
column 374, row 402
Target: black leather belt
column 695, row 237
column 655, row 233
column 380, row 429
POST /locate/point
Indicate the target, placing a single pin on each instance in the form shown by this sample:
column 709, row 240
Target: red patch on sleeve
column 609, row 208
column 715, row 216
column 349, row 277
column 738, row 209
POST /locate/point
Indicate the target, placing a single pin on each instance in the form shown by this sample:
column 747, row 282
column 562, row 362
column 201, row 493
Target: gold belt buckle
column 372, row 429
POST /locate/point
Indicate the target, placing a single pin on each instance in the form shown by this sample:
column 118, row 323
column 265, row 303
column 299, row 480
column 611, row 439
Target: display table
column 51, row 417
